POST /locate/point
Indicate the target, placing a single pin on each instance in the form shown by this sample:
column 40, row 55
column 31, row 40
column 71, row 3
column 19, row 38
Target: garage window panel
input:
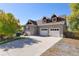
column 51, row 29
column 54, row 29
column 44, row 29
column 57, row 29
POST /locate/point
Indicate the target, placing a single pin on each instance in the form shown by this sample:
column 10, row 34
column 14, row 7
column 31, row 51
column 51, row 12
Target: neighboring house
column 54, row 26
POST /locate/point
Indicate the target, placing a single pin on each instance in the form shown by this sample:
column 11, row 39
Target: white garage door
column 54, row 32
column 44, row 31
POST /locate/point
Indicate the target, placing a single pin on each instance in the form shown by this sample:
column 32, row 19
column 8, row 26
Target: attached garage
column 54, row 32
column 44, row 31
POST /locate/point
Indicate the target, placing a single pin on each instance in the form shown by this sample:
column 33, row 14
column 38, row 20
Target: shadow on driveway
column 18, row 43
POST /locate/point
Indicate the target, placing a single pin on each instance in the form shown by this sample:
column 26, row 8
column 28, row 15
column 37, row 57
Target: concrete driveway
column 31, row 46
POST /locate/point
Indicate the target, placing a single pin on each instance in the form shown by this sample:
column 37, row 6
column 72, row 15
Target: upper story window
column 54, row 19
column 27, row 27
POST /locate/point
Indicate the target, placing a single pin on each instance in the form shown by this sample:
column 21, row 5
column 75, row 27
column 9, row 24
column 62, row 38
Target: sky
column 26, row 11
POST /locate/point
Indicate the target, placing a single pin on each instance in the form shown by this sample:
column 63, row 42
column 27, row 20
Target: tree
column 74, row 17
column 9, row 25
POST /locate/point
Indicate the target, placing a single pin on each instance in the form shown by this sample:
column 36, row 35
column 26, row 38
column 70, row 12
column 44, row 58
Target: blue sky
column 35, row 11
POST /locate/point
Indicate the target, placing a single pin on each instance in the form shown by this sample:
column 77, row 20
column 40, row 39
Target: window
column 28, row 28
column 54, row 29
column 57, row 29
column 44, row 29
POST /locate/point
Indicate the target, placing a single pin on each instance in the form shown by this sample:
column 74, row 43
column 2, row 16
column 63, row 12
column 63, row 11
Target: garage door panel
column 54, row 32
column 44, row 31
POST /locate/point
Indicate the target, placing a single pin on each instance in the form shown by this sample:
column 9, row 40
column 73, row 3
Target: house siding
column 33, row 30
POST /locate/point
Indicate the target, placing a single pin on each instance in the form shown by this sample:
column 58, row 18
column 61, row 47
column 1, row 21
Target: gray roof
column 40, row 22
column 53, row 23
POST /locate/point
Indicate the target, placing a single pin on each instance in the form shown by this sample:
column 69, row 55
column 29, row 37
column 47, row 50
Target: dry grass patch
column 65, row 47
